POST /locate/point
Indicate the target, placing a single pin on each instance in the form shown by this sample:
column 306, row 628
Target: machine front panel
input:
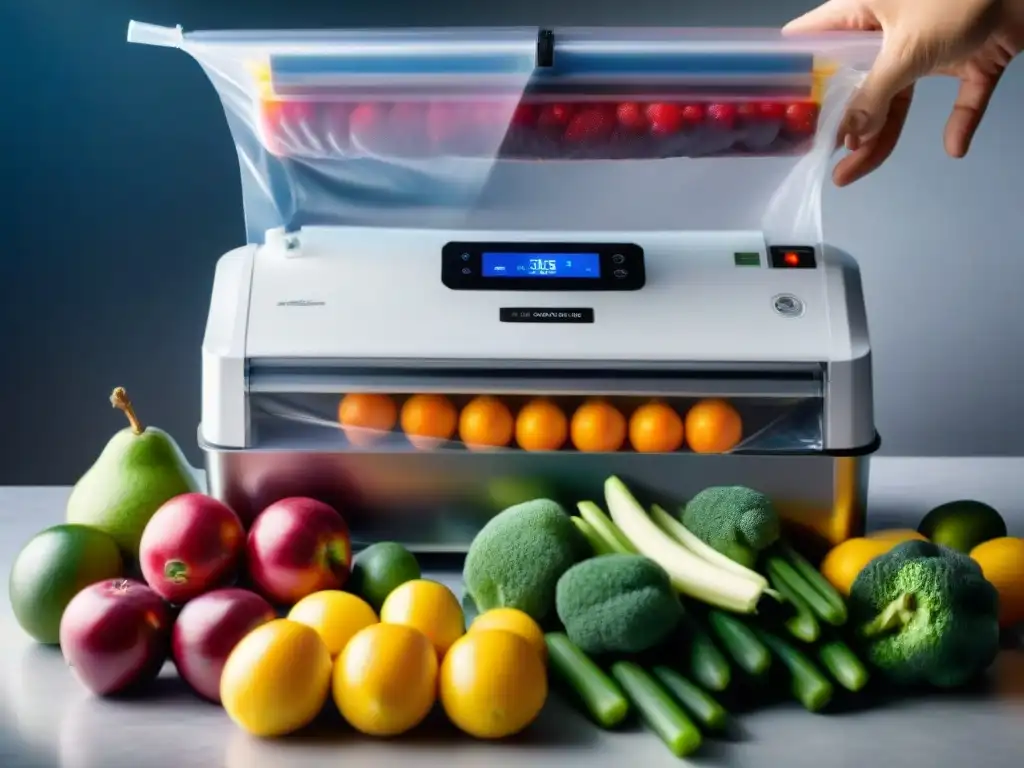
column 374, row 294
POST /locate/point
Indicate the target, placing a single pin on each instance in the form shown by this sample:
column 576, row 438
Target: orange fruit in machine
column 486, row 422
column 713, row 426
column 541, row 426
column 597, row 426
column 656, row 428
column 365, row 417
column 428, row 420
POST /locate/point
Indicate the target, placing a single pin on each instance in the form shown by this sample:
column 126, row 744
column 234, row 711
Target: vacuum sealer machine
column 490, row 265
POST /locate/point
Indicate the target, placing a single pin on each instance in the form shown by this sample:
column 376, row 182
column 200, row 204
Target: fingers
column 972, row 100
column 896, row 69
column 833, row 15
column 870, row 154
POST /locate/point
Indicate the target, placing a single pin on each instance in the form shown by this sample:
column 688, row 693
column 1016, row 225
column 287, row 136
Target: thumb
column 831, row 16
column 900, row 62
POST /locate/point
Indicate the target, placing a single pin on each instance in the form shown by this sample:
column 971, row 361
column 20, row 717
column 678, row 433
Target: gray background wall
column 121, row 190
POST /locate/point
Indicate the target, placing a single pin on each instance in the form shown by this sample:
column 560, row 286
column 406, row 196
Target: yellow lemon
column 493, row 684
column 385, row 681
column 276, row 679
column 428, row 606
column 845, row 561
column 335, row 615
column 514, row 621
column 896, row 535
column 1002, row 562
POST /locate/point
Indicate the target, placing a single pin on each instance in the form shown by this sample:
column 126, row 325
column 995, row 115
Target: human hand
column 972, row 40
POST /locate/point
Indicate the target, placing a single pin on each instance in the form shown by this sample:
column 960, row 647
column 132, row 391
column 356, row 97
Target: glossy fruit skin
column 191, row 545
column 656, row 428
column 276, row 679
column 597, row 427
column 486, row 422
column 428, row 420
column 298, row 546
column 713, row 426
column 631, row 117
column 53, row 567
column 722, row 115
column 208, row 629
column 553, row 118
column 541, row 426
column 664, row 118
column 515, row 621
column 335, row 615
column 115, row 636
column 1002, row 563
column 801, row 118
column 492, row 684
column 367, row 417
column 385, row 681
column 427, row 606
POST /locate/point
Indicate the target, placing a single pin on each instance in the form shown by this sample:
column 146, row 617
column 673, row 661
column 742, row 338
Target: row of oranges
column 709, row 426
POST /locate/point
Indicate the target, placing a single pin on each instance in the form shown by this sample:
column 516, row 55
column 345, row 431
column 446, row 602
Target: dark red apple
column 191, row 545
column 208, row 629
column 296, row 547
column 115, row 635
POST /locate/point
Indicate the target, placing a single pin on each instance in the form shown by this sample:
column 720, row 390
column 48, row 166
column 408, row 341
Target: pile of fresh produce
column 147, row 570
column 669, row 616
column 635, row 611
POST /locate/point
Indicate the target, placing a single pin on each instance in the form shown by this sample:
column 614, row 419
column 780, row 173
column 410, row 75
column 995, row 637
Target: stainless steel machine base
column 437, row 501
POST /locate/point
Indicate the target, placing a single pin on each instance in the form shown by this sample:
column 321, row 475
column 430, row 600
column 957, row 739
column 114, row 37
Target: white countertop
column 47, row 719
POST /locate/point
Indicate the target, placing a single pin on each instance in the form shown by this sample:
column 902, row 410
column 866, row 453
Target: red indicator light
column 791, row 259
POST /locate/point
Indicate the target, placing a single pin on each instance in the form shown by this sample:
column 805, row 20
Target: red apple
column 191, row 545
column 296, row 547
column 114, row 635
column 208, row 629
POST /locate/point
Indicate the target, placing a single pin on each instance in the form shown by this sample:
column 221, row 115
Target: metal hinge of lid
column 545, row 48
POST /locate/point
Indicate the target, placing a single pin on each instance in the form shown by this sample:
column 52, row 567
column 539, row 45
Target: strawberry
column 771, row 110
column 554, row 117
column 334, row 117
column 366, row 123
column 447, row 122
column 590, row 124
column 801, row 117
column 525, row 115
column 280, row 122
column 693, row 114
column 664, row 118
column 747, row 112
column 631, row 117
column 722, row 115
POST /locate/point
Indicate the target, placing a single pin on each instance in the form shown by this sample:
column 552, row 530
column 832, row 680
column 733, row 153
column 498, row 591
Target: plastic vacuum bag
column 526, row 129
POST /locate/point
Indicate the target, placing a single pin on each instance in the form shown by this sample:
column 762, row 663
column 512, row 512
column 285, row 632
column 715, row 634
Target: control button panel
column 531, row 266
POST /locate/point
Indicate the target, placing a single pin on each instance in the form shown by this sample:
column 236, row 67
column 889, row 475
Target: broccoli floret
column 518, row 556
column 617, row 604
column 737, row 521
column 926, row 615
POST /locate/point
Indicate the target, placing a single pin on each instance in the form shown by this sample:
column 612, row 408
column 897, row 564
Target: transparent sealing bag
column 426, row 419
column 516, row 129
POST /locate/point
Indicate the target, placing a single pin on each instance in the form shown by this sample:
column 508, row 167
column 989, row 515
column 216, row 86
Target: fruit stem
column 893, row 617
column 119, row 399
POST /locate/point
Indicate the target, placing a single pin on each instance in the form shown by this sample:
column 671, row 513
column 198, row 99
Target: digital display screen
column 581, row 265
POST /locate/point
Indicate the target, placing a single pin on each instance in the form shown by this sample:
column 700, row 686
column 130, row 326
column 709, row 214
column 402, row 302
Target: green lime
column 52, row 568
column 962, row 525
column 379, row 569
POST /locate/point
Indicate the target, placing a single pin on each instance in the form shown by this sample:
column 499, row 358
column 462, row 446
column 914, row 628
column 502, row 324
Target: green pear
column 138, row 470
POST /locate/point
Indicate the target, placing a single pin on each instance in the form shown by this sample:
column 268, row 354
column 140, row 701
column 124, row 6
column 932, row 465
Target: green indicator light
column 747, row 259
